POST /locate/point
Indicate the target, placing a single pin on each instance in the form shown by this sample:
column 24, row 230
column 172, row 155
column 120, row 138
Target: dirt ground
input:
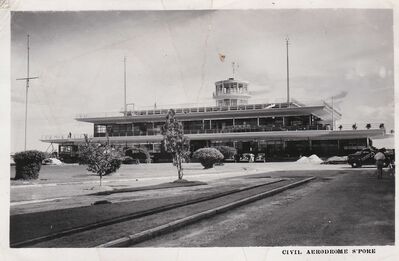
column 342, row 208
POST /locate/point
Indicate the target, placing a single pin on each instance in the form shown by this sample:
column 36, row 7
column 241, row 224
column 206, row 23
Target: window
column 65, row 149
column 101, row 128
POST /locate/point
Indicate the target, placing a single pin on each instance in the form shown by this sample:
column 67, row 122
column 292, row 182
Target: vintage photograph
column 202, row 128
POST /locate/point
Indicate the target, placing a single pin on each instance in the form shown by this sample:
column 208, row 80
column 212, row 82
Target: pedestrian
column 251, row 157
column 379, row 162
column 70, row 135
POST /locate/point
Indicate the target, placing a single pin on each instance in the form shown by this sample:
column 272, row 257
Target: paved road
column 348, row 207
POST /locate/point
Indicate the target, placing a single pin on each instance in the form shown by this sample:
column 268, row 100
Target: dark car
column 366, row 157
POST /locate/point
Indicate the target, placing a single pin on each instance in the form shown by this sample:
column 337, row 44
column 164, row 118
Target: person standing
column 379, row 162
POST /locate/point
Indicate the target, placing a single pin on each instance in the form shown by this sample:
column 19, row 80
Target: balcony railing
column 229, row 129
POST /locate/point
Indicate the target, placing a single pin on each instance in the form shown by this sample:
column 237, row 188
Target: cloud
column 340, row 95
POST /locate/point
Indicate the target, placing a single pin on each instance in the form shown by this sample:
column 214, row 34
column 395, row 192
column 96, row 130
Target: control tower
column 231, row 92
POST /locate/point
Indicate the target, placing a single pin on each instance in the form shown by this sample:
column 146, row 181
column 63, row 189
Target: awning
column 384, row 141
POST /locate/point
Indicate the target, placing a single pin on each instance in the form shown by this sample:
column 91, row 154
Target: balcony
column 230, row 129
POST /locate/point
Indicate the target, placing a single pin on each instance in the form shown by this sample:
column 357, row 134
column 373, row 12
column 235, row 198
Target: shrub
column 28, row 164
column 129, row 160
column 208, row 156
column 228, row 152
column 140, row 154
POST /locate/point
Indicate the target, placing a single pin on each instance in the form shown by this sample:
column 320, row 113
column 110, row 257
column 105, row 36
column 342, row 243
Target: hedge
column 228, row 152
column 208, row 156
column 28, row 164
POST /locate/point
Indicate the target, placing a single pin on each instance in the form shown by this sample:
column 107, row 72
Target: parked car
column 247, row 157
column 366, row 157
column 261, row 157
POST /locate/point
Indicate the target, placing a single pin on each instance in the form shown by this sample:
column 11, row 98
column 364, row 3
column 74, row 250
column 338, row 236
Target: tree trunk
column 101, row 178
column 179, row 167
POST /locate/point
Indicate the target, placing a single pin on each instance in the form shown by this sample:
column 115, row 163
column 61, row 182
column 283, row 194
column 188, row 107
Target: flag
column 222, row 57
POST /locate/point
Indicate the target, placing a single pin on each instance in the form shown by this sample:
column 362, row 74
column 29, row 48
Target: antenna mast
column 288, row 74
column 26, row 92
column 332, row 112
column 124, row 85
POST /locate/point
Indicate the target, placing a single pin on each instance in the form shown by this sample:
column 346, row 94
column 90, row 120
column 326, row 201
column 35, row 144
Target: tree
column 368, row 126
column 340, row 127
column 100, row 158
column 174, row 141
column 354, row 126
column 382, row 126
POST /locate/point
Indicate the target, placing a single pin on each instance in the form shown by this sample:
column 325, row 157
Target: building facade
column 274, row 131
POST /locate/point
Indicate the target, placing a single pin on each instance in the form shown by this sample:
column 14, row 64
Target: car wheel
column 355, row 164
column 385, row 164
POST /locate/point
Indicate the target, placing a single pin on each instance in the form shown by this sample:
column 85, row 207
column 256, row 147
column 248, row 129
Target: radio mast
column 27, row 78
column 288, row 74
column 124, row 86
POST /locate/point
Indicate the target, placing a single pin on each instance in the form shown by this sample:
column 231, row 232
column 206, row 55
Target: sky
column 173, row 58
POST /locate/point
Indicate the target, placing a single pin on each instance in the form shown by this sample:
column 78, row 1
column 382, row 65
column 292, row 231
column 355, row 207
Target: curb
column 148, row 234
column 132, row 216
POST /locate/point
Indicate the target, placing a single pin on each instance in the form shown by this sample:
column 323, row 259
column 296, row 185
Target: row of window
column 153, row 128
column 227, row 88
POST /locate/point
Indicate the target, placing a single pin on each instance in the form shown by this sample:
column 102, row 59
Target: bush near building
column 129, row 160
column 208, row 156
column 138, row 154
column 228, row 152
column 28, row 164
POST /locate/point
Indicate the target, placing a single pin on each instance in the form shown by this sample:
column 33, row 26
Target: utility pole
column 26, row 93
column 288, row 74
column 124, row 85
column 332, row 112
column 233, row 64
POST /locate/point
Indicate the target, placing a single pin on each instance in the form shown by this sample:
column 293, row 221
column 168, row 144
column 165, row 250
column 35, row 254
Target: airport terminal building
column 277, row 131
